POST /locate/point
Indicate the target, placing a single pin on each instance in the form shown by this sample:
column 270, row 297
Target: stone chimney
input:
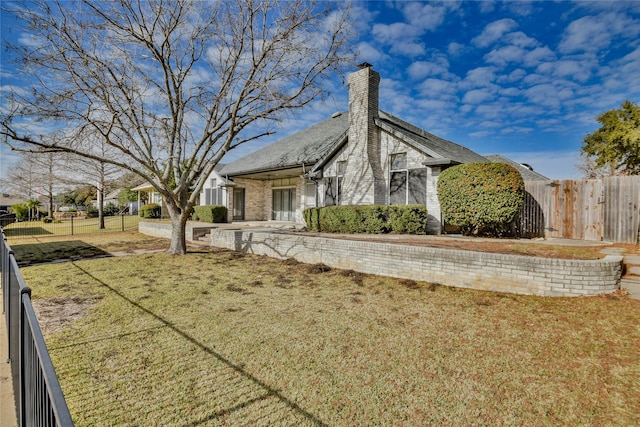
column 364, row 181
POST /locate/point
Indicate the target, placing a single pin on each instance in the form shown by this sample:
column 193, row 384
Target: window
column 406, row 186
column 213, row 182
column 330, row 191
column 333, row 185
column 398, row 179
column 215, row 196
column 398, row 161
column 284, row 182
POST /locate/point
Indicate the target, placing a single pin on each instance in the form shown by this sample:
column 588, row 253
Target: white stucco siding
column 392, row 145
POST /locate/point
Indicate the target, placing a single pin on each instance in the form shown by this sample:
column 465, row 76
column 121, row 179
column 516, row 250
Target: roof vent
column 336, row 114
column 526, row 166
column 365, row 65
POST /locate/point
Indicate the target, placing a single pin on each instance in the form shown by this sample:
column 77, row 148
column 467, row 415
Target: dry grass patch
column 220, row 339
column 33, row 250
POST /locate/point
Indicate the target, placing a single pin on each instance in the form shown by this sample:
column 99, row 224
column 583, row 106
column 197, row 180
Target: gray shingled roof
column 527, row 174
column 312, row 144
column 306, row 146
column 429, row 143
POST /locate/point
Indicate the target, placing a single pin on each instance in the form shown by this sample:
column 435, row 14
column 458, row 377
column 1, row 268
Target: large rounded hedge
column 481, row 198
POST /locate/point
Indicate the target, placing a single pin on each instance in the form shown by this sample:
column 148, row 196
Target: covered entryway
column 238, row 204
column 284, row 204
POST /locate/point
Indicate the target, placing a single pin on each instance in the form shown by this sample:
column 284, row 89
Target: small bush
column 410, row 219
column 481, row 198
column 210, row 213
column 21, row 211
column 47, row 220
column 151, row 210
column 371, row 219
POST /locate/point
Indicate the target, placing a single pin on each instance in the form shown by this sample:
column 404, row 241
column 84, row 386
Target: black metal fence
column 71, row 226
column 38, row 396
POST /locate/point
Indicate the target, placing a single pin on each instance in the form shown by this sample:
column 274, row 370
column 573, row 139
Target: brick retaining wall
column 476, row 270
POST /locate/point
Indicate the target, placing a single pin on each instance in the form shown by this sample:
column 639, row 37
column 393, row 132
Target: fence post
column 7, row 297
column 122, row 220
column 72, row 224
column 22, row 356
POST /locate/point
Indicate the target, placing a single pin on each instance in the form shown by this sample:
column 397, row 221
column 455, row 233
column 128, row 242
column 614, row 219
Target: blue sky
column 522, row 79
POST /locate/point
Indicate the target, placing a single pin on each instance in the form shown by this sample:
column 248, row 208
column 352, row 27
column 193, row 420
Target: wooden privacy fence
column 595, row 209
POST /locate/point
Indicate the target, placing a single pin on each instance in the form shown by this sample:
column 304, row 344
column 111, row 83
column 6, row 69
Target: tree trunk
column 179, row 218
column 100, row 208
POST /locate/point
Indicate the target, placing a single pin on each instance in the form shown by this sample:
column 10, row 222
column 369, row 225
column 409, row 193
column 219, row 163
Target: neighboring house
column 152, row 197
column 7, row 200
column 215, row 190
column 109, row 198
column 527, row 172
column 364, row 156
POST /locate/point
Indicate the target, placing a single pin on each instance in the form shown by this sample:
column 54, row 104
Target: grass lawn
column 67, row 227
column 221, row 338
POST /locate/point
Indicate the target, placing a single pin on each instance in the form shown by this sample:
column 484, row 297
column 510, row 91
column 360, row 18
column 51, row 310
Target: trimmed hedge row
column 371, row 219
column 481, row 198
column 151, row 210
column 210, row 213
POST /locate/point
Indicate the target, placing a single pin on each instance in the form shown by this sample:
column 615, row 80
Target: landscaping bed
column 225, row 338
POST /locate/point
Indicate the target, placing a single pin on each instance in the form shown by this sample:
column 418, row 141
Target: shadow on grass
column 26, row 231
column 45, row 252
column 267, row 390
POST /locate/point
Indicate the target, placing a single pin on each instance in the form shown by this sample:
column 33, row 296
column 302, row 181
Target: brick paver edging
column 476, row 270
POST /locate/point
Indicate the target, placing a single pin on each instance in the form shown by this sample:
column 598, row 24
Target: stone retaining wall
column 477, row 270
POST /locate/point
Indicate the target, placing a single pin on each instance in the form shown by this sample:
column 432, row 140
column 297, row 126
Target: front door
column 284, row 204
column 238, row 204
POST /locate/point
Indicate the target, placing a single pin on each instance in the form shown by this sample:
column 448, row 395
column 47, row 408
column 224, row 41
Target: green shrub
column 410, row 219
column 92, row 212
column 151, row 210
column 210, row 213
column 481, row 198
column 371, row 219
column 21, row 211
column 47, row 220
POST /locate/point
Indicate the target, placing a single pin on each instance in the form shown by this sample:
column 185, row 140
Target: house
column 363, row 156
column 215, row 189
column 527, row 172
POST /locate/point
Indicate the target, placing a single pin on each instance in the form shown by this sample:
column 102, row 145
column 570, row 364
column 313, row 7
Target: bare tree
column 171, row 85
column 36, row 175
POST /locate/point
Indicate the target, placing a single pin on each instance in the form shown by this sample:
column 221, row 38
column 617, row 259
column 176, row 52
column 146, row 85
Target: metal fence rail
column 71, row 226
column 38, row 396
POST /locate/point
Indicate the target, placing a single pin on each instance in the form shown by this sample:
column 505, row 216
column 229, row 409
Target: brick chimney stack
column 364, row 180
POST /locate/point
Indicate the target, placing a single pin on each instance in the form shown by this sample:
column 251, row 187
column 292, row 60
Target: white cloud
column 479, row 77
column 538, row 55
column 477, row 96
column 396, row 32
column 594, row 33
column 494, row 31
column 550, row 95
column 438, row 88
column 424, row 16
column 516, row 129
column 480, row 134
column 519, row 39
column 410, row 49
column 456, row 49
column 505, row 55
column 366, row 52
column 487, row 6
column 436, row 66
